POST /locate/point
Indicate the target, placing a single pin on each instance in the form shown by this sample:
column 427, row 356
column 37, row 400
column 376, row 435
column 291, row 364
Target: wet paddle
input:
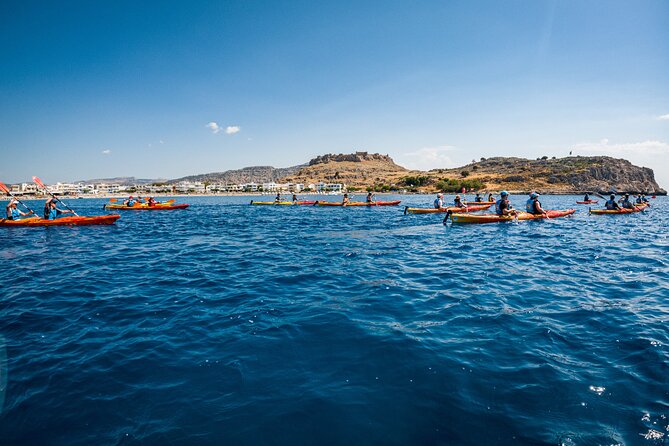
column 6, row 190
column 40, row 184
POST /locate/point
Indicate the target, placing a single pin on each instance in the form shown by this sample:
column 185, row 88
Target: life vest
column 626, row 204
column 611, row 205
column 498, row 205
column 438, row 203
column 131, row 203
column 529, row 206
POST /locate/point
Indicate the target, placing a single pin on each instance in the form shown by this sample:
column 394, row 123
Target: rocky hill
column 359, row 169
column 256, row 174
column 564, row 175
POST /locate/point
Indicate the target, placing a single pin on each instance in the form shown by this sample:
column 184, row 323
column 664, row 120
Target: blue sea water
column 235, row 324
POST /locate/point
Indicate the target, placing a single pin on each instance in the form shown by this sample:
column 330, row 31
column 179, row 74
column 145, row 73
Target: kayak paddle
column 6, row 190
column 40, row 184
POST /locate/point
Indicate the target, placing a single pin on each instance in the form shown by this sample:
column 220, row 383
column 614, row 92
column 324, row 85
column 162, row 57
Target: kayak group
column 459, row 212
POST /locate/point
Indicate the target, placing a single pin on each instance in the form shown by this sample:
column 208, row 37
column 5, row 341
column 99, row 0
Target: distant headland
column 363, row 171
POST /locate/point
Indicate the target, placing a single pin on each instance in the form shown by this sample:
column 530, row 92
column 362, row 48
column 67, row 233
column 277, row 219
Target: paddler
column 294, row 198
column 533, row 205
column 278, row 197
column 130, row 202
column 626, row 203
column 611, row 204
column 503, row 205
column 478, row 198
column 12, row 211
column 439, row 201
column 587, row 197
column 370, row 198
column 152, row 202
column 458, row 202
column 345, row 201
column 491, row 198
column 51, row 211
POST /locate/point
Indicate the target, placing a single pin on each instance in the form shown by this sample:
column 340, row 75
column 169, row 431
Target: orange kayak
column 494, row 218
column 476, row 203
column 64, row 221
column 358, row 203
column 453, row 209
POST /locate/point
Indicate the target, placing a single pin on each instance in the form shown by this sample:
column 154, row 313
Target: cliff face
column 255, row 174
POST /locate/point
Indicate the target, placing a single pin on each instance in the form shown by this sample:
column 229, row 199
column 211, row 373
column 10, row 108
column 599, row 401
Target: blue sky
column 92, row 89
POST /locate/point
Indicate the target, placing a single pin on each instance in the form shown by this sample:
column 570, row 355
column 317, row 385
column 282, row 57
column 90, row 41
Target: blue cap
column 504, row 193
column 534, row 195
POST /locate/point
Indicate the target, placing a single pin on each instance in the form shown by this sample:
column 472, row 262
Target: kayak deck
column 64, row 221
column 494, row 218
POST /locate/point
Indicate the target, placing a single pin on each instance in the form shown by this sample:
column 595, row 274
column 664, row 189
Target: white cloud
column 635, row 148
column 106, row 151
column 663, row 118
column 232, row 129
column 214, row 127
column 427, row 158
column 162, row 142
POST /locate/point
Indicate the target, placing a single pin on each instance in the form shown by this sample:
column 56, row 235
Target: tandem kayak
column 587, row 202
column 64, row 221
column 358, row 203
column 146, row 207
column 453, row 209
column 284, row 203
column 494, row 218
column 638, row 208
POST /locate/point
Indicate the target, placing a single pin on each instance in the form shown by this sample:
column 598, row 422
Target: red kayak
column 146, row 207
column 359, row 203
column 587, row 202
column 64, row 221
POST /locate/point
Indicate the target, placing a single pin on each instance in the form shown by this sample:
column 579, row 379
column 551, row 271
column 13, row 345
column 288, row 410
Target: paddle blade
column 39, row 182
column 4, row 188
column 113, row 200
column 170, row 201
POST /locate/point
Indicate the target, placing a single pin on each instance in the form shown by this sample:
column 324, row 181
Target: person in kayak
column 439, row 201
column 51, row 211
column 278, row 197
column 478, row 198
column 458, row 202
column 611, row 204
column 626, row 203
column 587, row 197
column 13, row 213
column 370, row 198
column 152, row 202
column 491, row 198
column 345, row 201
column 130, row 202
column 533, row 205
column 503, row 206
